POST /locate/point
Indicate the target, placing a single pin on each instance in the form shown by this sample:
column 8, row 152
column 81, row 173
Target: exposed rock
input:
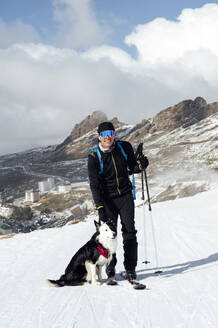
column 83, row 137
column 184, row 114
column 64, row 151
column 183, row 161
column 88, row 124
column 212, row 108
column 139, row 131
column 199, row 102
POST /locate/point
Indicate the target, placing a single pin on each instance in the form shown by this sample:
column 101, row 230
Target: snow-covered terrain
column 185, row 295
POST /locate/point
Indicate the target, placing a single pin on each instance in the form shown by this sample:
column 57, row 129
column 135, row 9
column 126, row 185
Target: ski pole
column 152, row 225
column 148, row 196
column 144, row 218
column 138, row 155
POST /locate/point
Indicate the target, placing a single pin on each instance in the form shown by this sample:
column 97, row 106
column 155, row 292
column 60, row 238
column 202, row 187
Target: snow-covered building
column 6, row 211
column 46, row 185
column 43, row 186
column 32, row 195
column 51, row 183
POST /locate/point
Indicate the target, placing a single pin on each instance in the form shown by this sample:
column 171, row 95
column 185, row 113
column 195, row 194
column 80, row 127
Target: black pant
column 123, row 206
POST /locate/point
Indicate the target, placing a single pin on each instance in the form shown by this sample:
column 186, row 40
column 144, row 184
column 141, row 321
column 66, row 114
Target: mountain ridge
column 183, row 161
column 189, row 147
column 183, row 114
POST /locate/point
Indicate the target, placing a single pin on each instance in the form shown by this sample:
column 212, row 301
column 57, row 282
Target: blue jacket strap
column 97, row 151
column 133, row 186
column 122, row 150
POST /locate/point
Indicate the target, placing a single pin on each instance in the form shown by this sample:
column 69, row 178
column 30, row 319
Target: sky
column 60, row 60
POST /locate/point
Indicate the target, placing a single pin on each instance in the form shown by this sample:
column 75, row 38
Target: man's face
column 106, row 142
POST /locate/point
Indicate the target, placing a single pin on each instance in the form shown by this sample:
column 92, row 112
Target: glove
column 101, row 214
column 143, row 162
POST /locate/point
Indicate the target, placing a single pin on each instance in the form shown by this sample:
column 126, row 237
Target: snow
column 199, row 142
column 185, row 295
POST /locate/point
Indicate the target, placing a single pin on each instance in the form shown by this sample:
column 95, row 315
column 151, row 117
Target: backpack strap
column 97, row 151
column 133, row 186
column 119, row 144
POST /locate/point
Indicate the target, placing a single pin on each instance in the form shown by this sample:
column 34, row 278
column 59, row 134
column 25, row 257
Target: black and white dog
column 90, row 258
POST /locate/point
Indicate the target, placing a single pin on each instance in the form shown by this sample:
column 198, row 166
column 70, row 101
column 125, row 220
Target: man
column 109, row 166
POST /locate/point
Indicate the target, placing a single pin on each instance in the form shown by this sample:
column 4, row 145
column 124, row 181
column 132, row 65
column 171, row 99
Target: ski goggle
column 109, row 133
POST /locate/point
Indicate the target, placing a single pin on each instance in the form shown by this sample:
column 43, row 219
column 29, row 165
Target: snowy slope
column 184, row 295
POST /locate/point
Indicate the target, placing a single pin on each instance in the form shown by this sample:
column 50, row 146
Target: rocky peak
column 183, row 114
column 84, row 135
column 88, row 124
column 73, row 147
column 199, row 102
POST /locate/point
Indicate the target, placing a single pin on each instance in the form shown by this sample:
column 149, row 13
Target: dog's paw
column 95, row 283
column 86, row 283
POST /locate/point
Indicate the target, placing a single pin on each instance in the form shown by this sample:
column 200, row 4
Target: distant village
column 33, row 195
column 52, row 204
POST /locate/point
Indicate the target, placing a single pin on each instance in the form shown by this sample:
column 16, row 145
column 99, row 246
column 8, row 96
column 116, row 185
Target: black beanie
column 104, row 126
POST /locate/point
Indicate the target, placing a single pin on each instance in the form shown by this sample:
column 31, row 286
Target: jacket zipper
column 118, row 186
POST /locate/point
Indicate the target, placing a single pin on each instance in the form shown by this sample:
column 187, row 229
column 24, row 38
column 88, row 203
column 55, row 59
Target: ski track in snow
column 185, row 295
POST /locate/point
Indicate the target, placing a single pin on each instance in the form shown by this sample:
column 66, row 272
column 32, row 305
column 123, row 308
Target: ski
column 134, row 283
column 111, row 282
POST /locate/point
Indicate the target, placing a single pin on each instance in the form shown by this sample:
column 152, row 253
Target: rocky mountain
column 181, row 143
column 83, row 137
column 184, row 114
column 183, row 161
column 88, row 124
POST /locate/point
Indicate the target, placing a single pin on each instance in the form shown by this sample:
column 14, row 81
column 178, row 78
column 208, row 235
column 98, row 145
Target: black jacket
column 114, row 180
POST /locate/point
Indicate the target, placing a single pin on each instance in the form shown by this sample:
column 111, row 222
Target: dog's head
column 106, row 229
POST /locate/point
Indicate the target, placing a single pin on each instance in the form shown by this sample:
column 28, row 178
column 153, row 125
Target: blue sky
column 60, row 60
column 121, row 15
column 134, row 12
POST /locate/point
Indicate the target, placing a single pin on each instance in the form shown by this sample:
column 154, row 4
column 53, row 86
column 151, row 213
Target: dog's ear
column 97, row 224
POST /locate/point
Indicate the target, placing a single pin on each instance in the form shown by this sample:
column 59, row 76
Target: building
column 6, row 211
column 43, row 186
column 51, row 183
column 46, row 185
column 32, row 196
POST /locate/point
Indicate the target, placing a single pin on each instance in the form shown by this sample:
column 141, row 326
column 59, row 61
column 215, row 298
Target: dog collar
column 103, row 252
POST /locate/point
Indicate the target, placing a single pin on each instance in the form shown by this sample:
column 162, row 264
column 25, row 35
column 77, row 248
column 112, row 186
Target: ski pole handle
column 138, row 153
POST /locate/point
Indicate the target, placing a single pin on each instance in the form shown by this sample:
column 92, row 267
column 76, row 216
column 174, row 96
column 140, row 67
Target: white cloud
column 171, row 52
column 16, row 31
column 163, row 41
column 46, row 90
column 44, row 93
column 78, row 26
column 117, row 56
